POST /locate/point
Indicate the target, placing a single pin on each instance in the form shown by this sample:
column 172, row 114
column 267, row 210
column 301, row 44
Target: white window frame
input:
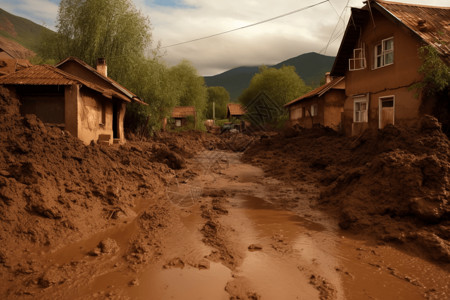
column 358, row 62
column 383, row 54
column 177, row 122
column 357, row 115
column 314, row 109
column 380, row 100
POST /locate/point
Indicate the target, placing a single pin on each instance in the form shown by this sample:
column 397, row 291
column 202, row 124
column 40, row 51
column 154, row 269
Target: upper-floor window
column 384, row 53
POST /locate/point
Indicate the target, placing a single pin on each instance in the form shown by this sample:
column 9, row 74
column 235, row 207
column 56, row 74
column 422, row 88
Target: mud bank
column 55, row 193
column 392, row 183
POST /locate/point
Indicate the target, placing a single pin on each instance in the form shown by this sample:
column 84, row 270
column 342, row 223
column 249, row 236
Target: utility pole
column 214, row 112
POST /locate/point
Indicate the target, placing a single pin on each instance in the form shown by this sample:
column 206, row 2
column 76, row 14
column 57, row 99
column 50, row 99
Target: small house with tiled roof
column 85, row 103
column 379, row 58
column 235, row 110
column 181, row 114
column 322, row 106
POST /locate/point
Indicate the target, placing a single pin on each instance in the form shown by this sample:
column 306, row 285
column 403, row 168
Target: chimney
column 102, row 68
column 328, row 77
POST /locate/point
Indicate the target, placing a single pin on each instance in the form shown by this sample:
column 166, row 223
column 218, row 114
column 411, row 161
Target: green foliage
column 89, row 29
column 435, row 85
column 311, row 67
column 280, row 85
column 190, row 88
column 117, row 31
column 436, row 74
column 220, row 96
column 21, row 30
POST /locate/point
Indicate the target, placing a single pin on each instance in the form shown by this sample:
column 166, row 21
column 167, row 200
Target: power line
column 247, row 26
column 334, row 30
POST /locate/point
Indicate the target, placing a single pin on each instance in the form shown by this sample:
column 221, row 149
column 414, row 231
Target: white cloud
column 268, row 43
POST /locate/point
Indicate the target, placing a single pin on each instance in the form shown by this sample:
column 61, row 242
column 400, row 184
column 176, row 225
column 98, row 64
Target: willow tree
column 90, row 29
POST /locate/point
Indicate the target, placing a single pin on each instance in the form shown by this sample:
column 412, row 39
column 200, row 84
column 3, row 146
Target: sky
column 315, row 26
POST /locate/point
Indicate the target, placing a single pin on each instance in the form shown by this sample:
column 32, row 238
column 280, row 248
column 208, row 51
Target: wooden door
column 386, row 112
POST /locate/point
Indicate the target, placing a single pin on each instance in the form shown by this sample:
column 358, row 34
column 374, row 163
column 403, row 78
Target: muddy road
column 235, row 233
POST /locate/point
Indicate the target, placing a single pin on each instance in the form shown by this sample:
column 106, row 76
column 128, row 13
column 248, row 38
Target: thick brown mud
column 234, row 233
column 246, row 236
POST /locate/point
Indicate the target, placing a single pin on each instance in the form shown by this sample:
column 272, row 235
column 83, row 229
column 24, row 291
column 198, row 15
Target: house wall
column 46, row 102
column 76, row 69
column 90, row 116
column 391, row 80
column 306, row 121
column 333, row 108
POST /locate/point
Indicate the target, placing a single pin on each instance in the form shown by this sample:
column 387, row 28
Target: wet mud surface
column 225, row 230
column 237, row 239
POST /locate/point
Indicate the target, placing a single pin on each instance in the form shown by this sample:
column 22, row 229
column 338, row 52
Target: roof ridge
column 408, row 4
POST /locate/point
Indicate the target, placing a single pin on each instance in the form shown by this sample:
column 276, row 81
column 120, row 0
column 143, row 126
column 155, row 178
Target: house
column 74, row 96
column 322, row 106
column 235, row 110
column 181, row 114
column 379, row 58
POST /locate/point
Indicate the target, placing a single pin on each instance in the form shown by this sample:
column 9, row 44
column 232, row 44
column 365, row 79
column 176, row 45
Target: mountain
column 21, row 30
column 311, row 67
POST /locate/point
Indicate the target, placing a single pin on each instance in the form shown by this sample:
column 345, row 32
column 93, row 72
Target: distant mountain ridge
column 21, row 30
column 311, row 67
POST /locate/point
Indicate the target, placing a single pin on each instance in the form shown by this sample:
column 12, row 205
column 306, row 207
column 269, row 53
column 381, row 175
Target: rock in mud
column 255, row 247
column 108, row 246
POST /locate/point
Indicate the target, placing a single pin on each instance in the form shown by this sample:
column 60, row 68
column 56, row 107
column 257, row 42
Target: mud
column 174, row 217
column 392, row 184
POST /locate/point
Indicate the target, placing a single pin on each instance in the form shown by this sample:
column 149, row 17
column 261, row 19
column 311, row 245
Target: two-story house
column 379, row 58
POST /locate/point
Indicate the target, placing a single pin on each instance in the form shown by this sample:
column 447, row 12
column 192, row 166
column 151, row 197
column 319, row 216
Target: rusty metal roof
column 235, row 109
column 430, row 24
column 183, row 111
column 318, row 91
column 49, row 75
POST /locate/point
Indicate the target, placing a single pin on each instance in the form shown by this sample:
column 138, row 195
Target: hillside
column 311, row 67
column 20, row 30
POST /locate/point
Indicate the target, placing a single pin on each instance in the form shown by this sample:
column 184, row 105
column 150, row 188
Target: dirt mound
column 54, row 190
column 392, row 183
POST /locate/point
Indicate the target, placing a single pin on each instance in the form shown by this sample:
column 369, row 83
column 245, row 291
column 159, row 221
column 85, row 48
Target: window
column 178, row 122
column 313, row 110
column 360, row 109
column 358, row 62
column 103, row 113
column 384, row 53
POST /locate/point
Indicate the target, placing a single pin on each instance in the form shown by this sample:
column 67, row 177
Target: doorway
column 115, row 123
column 386, row 111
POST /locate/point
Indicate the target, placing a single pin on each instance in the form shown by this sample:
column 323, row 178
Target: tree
column 279, row 85
column 191, row 89
column 435, row 85
column 220, row 96
column 90, row 29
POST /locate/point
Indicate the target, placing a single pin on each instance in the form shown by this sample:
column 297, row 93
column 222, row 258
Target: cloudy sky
column 315, row 26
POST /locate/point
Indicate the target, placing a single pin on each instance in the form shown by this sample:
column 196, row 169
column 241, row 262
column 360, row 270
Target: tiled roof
column 110, row 81
column 49, row 75
column 430, row 23
column 235, row 109
column 183, row 111
column 318, row 91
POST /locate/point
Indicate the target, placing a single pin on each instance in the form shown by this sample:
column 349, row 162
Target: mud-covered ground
column 187, row 216
column 392, row 184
